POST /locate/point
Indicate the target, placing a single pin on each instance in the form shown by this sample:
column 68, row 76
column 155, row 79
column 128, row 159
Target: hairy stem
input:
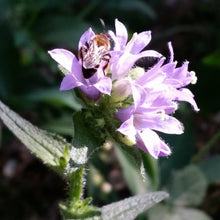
column 76, row 185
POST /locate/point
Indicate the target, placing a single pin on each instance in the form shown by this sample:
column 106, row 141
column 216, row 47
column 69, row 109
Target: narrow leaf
column 49, row 147
column 133, row 171
column 54, row 97
column 131, row 207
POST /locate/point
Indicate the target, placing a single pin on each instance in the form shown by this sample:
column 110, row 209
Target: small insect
column 93, row 53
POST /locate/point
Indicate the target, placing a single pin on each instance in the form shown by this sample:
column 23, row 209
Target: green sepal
column 80, row 210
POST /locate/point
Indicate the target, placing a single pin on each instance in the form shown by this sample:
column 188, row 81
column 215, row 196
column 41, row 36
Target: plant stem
column 76, row 185
column 205, row 148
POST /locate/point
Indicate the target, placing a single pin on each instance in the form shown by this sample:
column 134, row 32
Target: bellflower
column 169, row 81
column 141, row 122
column 94, row 86
column 154, row 92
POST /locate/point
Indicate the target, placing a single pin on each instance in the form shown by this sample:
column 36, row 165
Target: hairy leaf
column 131, row 207
column 52, row 149
column 188, row 186
column 165, row 212
column 210, row 168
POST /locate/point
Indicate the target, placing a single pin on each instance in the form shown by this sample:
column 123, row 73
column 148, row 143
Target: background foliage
column 29, row 82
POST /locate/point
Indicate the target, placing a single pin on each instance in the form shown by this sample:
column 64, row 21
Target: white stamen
column 193, row 77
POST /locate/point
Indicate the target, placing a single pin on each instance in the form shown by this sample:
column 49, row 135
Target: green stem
column 76, row 185
column 205, row 148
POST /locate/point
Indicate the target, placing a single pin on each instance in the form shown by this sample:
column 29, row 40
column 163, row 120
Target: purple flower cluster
column 145, row 98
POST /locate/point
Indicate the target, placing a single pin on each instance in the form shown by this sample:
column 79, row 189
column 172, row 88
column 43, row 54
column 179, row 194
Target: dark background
column 29, row 82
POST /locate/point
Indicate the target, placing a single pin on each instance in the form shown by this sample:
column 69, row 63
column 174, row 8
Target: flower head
column 143, row 97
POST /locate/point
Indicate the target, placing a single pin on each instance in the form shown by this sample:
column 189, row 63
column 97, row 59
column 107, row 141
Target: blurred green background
column 29, row 84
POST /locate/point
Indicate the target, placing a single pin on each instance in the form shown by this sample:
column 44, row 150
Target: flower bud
column 128, row 140
column 136, row 73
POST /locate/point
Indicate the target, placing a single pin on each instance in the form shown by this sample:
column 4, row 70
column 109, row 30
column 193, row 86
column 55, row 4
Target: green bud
column 136, row 73
column 127, row 140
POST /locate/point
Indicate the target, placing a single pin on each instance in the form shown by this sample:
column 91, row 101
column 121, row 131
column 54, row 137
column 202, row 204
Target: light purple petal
column 187, row 96
column 69, row 82
column 104, row 85
column 169, row 69
column 164, row 103
column 125, row 113
column 121, row 34
column 152, row 79
column 139, row 95
column 150, row 53
column 124, row 63
column 86, row 37
column 91, row 92
column 127, row 128
column 139, row 42
column 153, row 76
column 150, row 142
column 64, row 57
column 164, row 150
column 159, row 122
column 182, row 74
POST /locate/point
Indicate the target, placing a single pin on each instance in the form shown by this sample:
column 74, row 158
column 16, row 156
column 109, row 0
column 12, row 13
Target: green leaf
column 86, row 132
column 55, row 97
column 210, row 169
column 187, row 187
column 133, row 169
column 212, row 59
column 50, row 148
column 60, row 30
column 65, row 125
column 140, row 6
column 151, row 168
column 131, row 207
column 165, row 212
column 182, row 147
column 132, row 6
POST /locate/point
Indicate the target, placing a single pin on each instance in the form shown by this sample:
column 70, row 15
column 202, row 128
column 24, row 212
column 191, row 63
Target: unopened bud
column 129, row 141
column 136, row 73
